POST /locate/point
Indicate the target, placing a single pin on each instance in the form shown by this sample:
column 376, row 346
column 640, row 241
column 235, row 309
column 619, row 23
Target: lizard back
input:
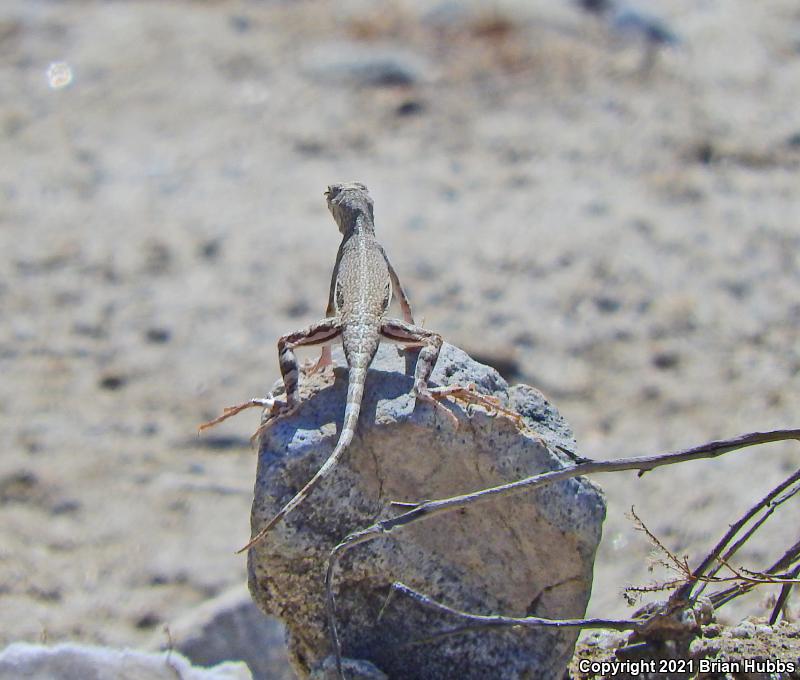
column 362, row 295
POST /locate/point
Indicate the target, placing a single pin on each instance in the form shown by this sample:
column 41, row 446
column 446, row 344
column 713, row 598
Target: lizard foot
column 325, row 359
column 311, row 367
column 434, row 398
column 277, row 411
column 230, row 411
column 469, row 395
column 274, row 410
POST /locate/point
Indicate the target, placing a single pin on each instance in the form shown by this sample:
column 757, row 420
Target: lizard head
column 348, row 201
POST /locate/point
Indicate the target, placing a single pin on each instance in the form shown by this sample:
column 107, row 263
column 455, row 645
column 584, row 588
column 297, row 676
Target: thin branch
column 632, row 594
column 480, row 621
column 759, row 578
column 643, row 464
column 786, row 561
column 780, row 603
column 734, row 529
column 689, row 578
column 430, row 509
column 788, row 558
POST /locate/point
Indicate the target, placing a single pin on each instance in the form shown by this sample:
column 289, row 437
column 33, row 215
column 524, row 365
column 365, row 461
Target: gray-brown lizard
column 361, row 289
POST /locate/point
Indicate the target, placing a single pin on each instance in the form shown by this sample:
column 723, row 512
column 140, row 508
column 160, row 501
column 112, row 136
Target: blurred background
column 600, row 200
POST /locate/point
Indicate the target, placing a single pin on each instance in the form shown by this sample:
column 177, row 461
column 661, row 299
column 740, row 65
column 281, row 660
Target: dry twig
column 770, row 501
column 482, row 622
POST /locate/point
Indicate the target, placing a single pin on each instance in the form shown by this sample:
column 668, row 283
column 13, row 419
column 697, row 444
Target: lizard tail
column 355, row 391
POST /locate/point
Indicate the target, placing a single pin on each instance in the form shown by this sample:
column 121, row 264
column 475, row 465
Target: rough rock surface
column 527, row 555
column 751, row 650
column 72, row 661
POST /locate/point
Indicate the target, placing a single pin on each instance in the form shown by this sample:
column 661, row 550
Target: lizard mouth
column 335, row 190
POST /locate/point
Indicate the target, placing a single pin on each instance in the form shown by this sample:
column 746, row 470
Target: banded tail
column 355, row 391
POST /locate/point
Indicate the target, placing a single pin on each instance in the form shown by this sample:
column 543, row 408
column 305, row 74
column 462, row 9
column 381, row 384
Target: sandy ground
column 625, row 241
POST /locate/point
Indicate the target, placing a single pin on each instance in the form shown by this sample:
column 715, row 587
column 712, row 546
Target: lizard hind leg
column 470, row 395
column 321, row 333
column 409, row 335
column 431, row 343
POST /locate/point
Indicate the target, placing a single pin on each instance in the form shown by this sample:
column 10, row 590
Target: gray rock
column 446, row 14
column 354, row 669
column 80, row 662
column 231, row 628
column 745, row 629
column 531, row 554
column 636, row 25
column 365, row 65
column 631, row 22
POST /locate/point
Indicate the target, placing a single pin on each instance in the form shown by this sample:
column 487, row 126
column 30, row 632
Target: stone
column 230, row 627
column 373, row 65
column 530, row 554
column 69, row 661
column 354, row 669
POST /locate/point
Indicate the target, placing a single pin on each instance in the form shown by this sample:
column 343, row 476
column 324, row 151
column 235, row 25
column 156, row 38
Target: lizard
column 361, row 289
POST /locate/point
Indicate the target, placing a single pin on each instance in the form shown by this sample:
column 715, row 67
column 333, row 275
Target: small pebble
column 240, row 23
column 210, row 249
column 157, row 336
column 665, row 360
column 112, row 382
column 410, row 108
column 65, row 506
column 365, row 65
column 147, row 620
column 744, row 630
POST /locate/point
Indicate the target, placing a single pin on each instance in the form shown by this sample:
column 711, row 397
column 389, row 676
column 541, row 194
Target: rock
column 631, row 22
column 531, row 554
column 365, row 65
column 71, row 661
column 231, row 628
column 638, row 25
column 763, row 629
column 354, row 669
column 744, row 630
column 766, row 656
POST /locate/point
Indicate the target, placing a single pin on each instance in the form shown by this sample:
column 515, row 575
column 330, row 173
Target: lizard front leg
column 321, row 333
column 431, row 343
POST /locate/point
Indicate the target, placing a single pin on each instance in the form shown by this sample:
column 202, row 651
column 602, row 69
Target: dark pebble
column 112, row 382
